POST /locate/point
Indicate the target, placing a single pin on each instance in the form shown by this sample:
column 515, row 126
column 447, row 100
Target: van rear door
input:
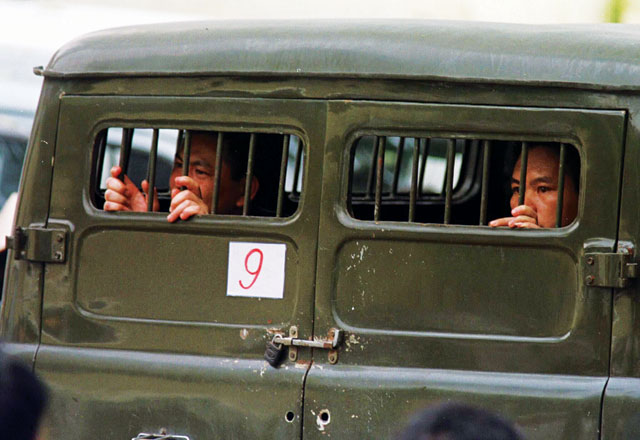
column 499, row 318
column 140, row 334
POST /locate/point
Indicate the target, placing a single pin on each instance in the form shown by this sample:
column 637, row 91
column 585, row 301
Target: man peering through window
column 541, row 191
column 192, row 195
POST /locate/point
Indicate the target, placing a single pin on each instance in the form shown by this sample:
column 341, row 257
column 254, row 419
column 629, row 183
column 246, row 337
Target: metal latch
column 616, row 270
column 39, row 244
column 334, row 338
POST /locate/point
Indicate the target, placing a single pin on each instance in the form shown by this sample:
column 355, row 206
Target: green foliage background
column 615, row 10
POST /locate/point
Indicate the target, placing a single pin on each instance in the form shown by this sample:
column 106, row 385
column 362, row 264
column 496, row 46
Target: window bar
column 396, row 169
column 125, row 152
column 217, row 171
column 283, row 173
column 372, row 168
column 451, row 155
column 524, row 156
column 379, row 177
column 484, row 198
column 249, row 178
column 179, row 139
column 414, row 179
column 296, row 170
column 560, row 202
column 186, row 153
column 423, row 165
column 151, row 171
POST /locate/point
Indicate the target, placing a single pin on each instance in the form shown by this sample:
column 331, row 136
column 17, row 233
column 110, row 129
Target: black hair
column 456, row 421
column 571, row 164
column 22, row 400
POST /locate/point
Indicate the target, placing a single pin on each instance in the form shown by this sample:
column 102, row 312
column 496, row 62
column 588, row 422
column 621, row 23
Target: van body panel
column 591, row 56
column 622, row 396
column 417, row 294
column 120, row 302
column 20, row 322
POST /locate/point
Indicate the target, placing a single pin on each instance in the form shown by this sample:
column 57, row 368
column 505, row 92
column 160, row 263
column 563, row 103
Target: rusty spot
column 275, row 331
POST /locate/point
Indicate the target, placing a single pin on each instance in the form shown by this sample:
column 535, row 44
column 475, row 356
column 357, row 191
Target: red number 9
column 256, row 272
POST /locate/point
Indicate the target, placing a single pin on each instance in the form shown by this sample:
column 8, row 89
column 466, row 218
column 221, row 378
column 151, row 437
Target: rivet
column 590, row 261
column 58, row 255
column 59, row 238
column 590, row 279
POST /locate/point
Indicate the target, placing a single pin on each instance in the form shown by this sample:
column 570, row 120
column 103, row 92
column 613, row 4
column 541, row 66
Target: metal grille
column 442, row 180
column 275, row 161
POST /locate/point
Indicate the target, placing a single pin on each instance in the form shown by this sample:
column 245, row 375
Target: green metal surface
column 432, row 298
column 112, row 296
column 134, row 333
column 598, row 56
column 20, row 311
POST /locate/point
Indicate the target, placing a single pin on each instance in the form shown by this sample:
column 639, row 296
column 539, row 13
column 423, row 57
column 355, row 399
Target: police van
column 361, row 279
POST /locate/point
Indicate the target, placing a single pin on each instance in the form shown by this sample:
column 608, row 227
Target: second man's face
column 541, row 191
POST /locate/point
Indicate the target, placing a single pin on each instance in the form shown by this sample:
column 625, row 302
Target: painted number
column 255, row 273
column 256, row 270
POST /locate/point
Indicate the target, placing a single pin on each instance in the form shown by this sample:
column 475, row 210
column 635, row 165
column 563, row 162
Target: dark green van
column 365, row 261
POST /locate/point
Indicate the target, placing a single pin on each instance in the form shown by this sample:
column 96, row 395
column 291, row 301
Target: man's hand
column 524, row 217
column 125, row 196
column 187, row 202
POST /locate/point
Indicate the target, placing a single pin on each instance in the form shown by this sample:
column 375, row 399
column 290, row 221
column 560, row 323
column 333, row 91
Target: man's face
column 201, row 169
column 541, row 192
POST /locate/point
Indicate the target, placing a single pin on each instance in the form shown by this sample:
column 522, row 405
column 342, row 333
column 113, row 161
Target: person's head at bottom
column 456, row 421
column 22, row 400
column 542, row 189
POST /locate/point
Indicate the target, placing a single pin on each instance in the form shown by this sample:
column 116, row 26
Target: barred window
column 260, row 174
column 463, row 181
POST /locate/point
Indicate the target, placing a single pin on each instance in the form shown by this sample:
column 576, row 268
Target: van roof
column 602, row 56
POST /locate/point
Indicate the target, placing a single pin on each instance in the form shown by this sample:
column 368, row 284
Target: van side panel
column 621, row 404
column 20, row 316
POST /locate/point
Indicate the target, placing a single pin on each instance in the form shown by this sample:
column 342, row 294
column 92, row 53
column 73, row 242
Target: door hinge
column 602, row 269
column 39, row 244
column 330, row 343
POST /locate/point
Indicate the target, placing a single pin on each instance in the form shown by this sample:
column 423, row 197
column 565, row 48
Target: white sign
column 256, row 270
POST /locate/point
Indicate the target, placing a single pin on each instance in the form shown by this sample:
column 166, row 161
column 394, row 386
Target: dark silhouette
column 22, row 400
column 455, row 421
